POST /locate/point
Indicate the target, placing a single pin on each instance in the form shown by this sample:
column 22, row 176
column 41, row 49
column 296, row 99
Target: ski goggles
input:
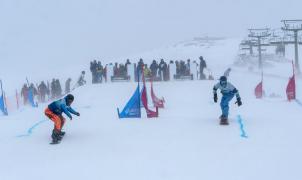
column 223, row 83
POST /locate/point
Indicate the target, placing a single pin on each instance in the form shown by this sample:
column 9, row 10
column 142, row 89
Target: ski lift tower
column 278, row 39
column 294, row 26
column 248, row 45
column 259, row 34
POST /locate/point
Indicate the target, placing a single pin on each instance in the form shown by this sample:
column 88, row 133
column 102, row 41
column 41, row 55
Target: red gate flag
column 156, row 101
column 291, row 89
column 259, row 91
column 150, row 113
column 291, row 86
column 144, row 99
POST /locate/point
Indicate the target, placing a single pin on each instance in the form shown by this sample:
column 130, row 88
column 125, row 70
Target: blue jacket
column 58, row 107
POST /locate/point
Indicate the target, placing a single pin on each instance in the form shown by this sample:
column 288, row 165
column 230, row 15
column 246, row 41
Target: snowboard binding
column 224, row 120
column 57, row 136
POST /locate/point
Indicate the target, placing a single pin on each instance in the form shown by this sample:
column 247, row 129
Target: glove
column 70, row 118
column 78, row 114
column 238, row 102
column 215, row 98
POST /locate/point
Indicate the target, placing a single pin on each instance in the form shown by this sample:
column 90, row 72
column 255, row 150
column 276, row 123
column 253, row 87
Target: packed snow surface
column 184, row 142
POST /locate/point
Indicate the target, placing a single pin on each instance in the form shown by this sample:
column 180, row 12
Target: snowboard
column 52, row 143
column 223, row 124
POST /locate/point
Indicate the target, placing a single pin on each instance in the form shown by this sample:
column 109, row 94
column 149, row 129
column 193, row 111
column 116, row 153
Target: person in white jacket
column 228, row 91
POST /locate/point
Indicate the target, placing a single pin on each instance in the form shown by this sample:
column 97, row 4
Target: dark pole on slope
column 259, row 53
column 139, row 94
column 3, row 98
column 1, row 88
column 259, row 34
column 294, row 26
column 296, row 51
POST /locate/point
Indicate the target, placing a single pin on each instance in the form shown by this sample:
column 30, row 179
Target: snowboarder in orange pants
column 54, row 112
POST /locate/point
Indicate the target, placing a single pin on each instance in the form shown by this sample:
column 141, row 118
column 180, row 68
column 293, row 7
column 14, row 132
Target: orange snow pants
column 59, row 120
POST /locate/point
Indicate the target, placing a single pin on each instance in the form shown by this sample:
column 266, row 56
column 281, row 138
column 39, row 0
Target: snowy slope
column 185, row 142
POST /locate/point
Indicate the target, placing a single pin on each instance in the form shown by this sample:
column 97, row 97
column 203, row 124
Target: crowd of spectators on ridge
column 157, row 70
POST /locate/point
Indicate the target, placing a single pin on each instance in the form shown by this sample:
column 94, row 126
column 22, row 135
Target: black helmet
column 223, row 78
column 223, row 81
column 69, row 98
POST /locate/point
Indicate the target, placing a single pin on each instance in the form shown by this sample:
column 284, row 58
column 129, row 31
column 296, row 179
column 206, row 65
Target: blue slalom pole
column 241, row 125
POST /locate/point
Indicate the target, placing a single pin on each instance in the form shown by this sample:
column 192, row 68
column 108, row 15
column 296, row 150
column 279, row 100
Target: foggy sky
column 45, row 29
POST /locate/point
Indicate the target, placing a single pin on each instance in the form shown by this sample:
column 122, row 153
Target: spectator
column 81, row 80
column 24, row 94
column 122, row 71
column 93, row 69
column 177, row 67
column 67, row 86
column 53, row 89
column 188, row 69
column 115, row 70
column 182, row 68
column 154, row 68
column 42, row 88
column 139, row 67
column 127, row 62
column 58, row 89
column 163, row 70
column 147, row 72
column 99, row 72
column 202, row 66
column 126, row 65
